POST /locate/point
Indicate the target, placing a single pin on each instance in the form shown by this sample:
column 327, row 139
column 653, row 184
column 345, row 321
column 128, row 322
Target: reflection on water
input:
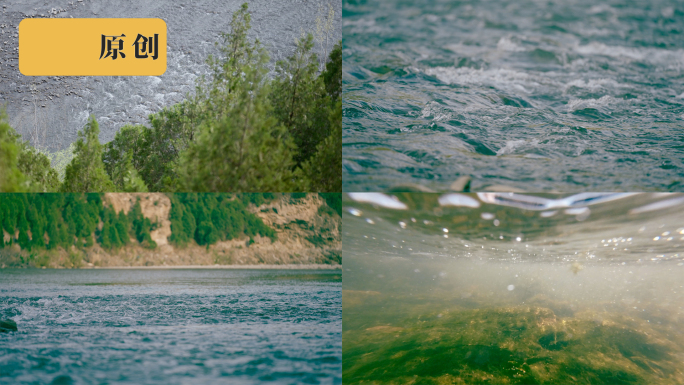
column 514, row 289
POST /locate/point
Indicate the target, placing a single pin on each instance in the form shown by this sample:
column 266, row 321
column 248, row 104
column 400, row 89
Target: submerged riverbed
column 536, row 95
column 171, row 326
column 513, row 289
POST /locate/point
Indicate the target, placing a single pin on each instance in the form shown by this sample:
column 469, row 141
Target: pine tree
column 247, row 150
column 37, row 169
column 11, row 178
column 126, row 178
column 332, row 76
column 324, row 170
column 86, row 171
column 299, row 99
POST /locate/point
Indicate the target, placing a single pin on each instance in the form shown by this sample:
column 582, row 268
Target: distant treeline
column 239, row 132
column 37, row 221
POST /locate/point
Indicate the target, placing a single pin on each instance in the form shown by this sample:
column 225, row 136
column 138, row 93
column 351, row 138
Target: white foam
column 506, row 44
column 379, row 199
column 435, row 110
column 512, row 145
column 498, row 77
column 592, row 84
column 576, row 104
column 596, row 48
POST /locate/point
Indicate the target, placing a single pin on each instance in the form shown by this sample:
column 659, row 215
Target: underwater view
column 508, row 288
column 535, row 95
column 185, row 326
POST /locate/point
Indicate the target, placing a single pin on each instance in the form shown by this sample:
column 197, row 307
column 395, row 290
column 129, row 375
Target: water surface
column 171, row 327
column 534, row 94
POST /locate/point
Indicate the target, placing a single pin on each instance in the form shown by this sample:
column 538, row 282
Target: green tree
column 86, row 171
column 334, row 201
column 37, row 169
column 126, row 178
column 11, row 177
column 324, row 169
column 247, row 150
column 299, row 99
column 332, row 76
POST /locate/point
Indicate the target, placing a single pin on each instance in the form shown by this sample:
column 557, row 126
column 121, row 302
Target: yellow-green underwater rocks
column 511, row 345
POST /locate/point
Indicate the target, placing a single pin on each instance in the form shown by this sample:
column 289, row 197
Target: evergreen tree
column 141, row 227
column 332, row 76
column 121, row 226
column 37, row 169
column 324, row 169
column 126, row 178
column 299, row 99
column 86, row 171
column 247, row 150
column 334, row 201
column 11, row 177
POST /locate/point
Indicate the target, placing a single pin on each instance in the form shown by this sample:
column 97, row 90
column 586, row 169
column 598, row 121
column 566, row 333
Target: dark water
column 513, row 289
column 171, row 327
column 540, row 95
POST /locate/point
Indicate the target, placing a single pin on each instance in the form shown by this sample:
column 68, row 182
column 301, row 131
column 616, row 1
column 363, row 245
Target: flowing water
column 535, row 94
column 171, row 327
column 513, row 289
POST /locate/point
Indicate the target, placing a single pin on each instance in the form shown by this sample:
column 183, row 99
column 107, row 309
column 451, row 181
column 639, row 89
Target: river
column 171, row 326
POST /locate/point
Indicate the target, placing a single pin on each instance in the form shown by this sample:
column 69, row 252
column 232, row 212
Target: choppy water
column 515, row 289
column 171, row 327
column 535, row 94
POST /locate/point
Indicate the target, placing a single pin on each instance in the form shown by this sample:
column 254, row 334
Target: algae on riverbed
column 511, row 288
column 521, row 344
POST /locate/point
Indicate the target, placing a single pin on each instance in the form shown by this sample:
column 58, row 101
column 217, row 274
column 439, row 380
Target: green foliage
column 318, row 240
column 22, row 168
column 240, row 131
column 48, row 221
column 141, row 227
column 61, row 159
column 323, row 169
column 334, row 201
column 257, row 199
column 86, row 171
column 11, row 178
column 37, row 169
column 297, row 196
column 126, row 177
column 245, row 151
column 209, row 218
column 332, row 76
column 299, row 99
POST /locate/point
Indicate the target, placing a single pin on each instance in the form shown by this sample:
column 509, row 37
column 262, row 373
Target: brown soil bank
column 308, row 233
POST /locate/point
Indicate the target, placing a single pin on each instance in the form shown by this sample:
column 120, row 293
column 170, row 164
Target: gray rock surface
column 49, row 111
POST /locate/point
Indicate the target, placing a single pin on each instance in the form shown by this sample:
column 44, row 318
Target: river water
column 171, row 327
column 535, row 94
column 513, row 289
